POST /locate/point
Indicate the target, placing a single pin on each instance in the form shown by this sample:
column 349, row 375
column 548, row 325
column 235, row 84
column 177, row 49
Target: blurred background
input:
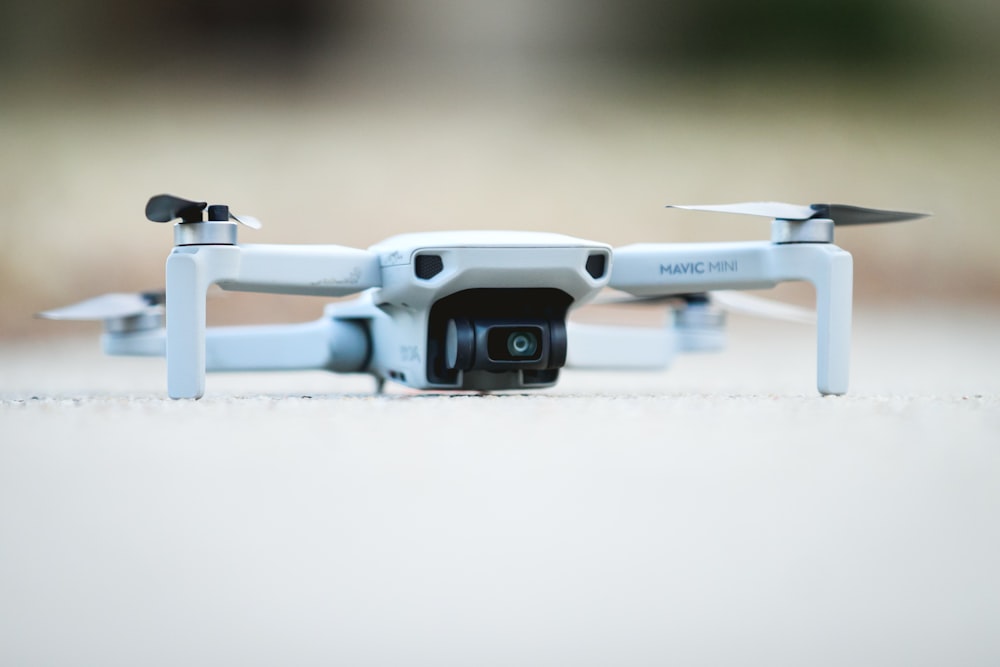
column 342, row 121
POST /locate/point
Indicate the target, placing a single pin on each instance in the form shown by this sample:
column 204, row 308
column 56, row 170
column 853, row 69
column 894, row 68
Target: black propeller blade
column 164, row 208
column 844, row 214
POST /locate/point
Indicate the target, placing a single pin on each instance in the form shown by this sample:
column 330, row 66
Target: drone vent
column 428, row 266
column 597, row 264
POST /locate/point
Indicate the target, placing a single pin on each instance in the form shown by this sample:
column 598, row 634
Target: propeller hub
column 700, row 327
column 151, row 320
column 192, row 228
column 814, row 230
column 700, row 316
column 205, row 233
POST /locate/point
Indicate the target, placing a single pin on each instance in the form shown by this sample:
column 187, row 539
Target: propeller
column 728, row 300
column 112, row 306
column 165, row 208
column 748, row 304
column 841, row 214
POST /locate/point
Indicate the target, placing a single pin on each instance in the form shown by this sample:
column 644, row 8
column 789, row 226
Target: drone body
column 480, row 311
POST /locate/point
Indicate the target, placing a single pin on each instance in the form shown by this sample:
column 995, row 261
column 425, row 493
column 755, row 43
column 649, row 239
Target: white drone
column 471, row 311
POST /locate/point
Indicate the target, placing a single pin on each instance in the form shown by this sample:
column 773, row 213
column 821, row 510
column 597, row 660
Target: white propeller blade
column 728, row 300
column 248, row 220
column 105, row 307
column 767, row 209
column 749, row 304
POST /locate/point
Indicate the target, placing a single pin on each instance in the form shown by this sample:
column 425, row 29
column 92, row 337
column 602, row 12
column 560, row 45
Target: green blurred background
column 347, row 122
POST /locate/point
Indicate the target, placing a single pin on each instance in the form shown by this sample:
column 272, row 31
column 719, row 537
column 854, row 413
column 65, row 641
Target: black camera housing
column 499, row 331
column 500, row 345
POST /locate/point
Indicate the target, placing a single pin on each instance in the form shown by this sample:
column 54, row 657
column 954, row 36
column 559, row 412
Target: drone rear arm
column 341, row 346
column 602, row 347
column 335, row 345
column 678, row 268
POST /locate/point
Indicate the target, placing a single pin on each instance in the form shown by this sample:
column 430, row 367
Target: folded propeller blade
column 729, row 300
column 107, row 307
column 749, row 304
column 841, row 214
column 247, row 220
column 164, row 208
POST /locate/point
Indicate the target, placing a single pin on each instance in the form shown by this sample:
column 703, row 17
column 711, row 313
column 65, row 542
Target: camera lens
column 522, row 344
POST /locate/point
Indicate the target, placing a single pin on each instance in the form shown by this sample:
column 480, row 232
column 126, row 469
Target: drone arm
column 317, row 270
column 190, row 272
column 677, row 268
column 312, row 270
column 341, row 346
column 600, row 347
column 662, row 269
column 336, row 345
column 831, row 272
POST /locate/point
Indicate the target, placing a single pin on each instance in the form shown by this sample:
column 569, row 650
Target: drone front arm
column 679, row 268
column 831, row 272
column 190, row 272
column 662, row 269
column 278, row 269
column 316, row 270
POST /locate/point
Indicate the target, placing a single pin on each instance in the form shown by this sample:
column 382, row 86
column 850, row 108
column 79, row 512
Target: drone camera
column 519, row 331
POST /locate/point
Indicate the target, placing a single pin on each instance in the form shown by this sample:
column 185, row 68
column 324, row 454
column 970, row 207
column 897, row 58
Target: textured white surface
column 716, row 513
